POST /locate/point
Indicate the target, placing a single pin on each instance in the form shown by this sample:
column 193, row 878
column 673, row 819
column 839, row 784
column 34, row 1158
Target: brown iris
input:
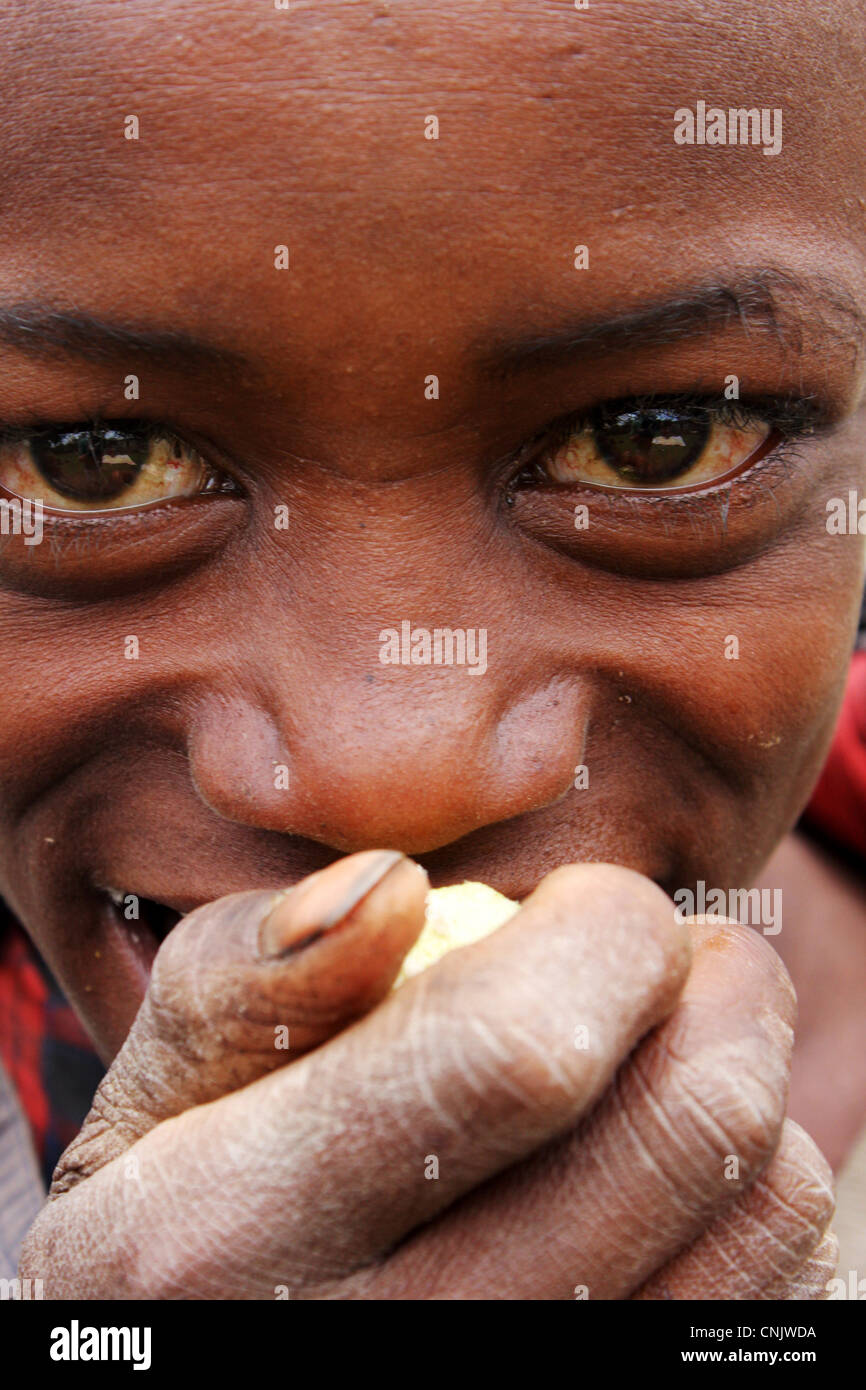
column 651, row 444
column 90, row 465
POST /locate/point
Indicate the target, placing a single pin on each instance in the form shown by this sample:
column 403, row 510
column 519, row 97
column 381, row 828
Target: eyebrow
column 44, row 332
column 765, row 298
column 768, row 298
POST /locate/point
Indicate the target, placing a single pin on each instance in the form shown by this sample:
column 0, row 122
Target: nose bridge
column 391, row 701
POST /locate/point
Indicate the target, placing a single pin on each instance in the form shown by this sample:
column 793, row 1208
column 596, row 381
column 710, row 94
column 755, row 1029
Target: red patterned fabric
column 23, row 996
column 44, row 1049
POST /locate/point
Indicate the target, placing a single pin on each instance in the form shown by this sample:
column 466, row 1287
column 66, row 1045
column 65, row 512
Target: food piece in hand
column 454, row 917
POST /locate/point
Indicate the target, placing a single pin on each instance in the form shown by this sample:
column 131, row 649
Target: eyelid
column 144, row 429
column 677, row 535
column 790, row 414
column 162, row 428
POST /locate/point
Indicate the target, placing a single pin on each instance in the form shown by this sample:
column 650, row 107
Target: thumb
column 247, row 984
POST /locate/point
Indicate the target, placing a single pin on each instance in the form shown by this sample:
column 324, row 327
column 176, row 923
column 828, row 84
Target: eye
column 104, row 468
column 653, row 446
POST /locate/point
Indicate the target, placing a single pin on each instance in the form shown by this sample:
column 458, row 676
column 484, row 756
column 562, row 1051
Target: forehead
column 306, row 127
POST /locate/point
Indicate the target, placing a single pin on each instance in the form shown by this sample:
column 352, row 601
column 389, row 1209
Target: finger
column 248, row 983
column 473, row 1062
column 692, row 1119
column 810, row 1282
column 765, row 1238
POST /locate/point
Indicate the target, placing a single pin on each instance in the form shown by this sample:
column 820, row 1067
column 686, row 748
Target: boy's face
column 686, row 647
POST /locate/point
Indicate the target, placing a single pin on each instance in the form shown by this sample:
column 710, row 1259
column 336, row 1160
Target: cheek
column 769, row 668
column 732, row 686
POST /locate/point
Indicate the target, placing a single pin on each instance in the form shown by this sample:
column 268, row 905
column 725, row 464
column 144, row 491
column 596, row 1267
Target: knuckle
column 714, row 1081
column 711, row 1116
column 485, row 1056
column 204, row 970
column 510, row 1076
column 639, row 930
column 84, row 1155
column 812, row 1281
column 730, row 1043
column 736, row 1095
column 761, row 975
column 800, row 1180
column 623, row 892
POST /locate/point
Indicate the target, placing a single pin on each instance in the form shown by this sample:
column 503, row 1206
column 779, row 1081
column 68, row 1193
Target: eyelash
column 793, row 418
column 149, row 430
column 224, row 479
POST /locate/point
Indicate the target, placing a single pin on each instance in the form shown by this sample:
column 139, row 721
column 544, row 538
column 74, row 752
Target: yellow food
column 455, row 916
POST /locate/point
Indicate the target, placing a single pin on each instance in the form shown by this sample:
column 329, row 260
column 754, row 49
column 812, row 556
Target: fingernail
column 304, row 913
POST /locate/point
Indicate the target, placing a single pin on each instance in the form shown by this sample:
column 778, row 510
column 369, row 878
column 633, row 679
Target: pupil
column 648, row 446
column 89, row 465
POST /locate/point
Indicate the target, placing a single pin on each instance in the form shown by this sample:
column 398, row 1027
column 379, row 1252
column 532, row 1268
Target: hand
column 590, row 1101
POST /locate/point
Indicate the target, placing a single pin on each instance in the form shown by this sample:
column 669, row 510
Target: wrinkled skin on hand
column 608, row 1159
column 259, row 647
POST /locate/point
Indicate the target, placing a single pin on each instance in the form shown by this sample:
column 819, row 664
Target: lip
column 168, row 852
column 180, row 903
column 103, row 960
column 134, row 919
column 146, row 921
column 105, row 966
column 136, row 924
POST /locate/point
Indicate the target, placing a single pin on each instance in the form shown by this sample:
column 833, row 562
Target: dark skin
column 258, row 646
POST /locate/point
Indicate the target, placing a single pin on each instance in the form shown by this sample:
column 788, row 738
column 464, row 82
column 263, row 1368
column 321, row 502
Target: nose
column 401, row 698
column 409, row 756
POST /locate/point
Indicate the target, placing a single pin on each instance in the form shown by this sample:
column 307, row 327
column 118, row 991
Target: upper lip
column 180, row 903
column 184, row 903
